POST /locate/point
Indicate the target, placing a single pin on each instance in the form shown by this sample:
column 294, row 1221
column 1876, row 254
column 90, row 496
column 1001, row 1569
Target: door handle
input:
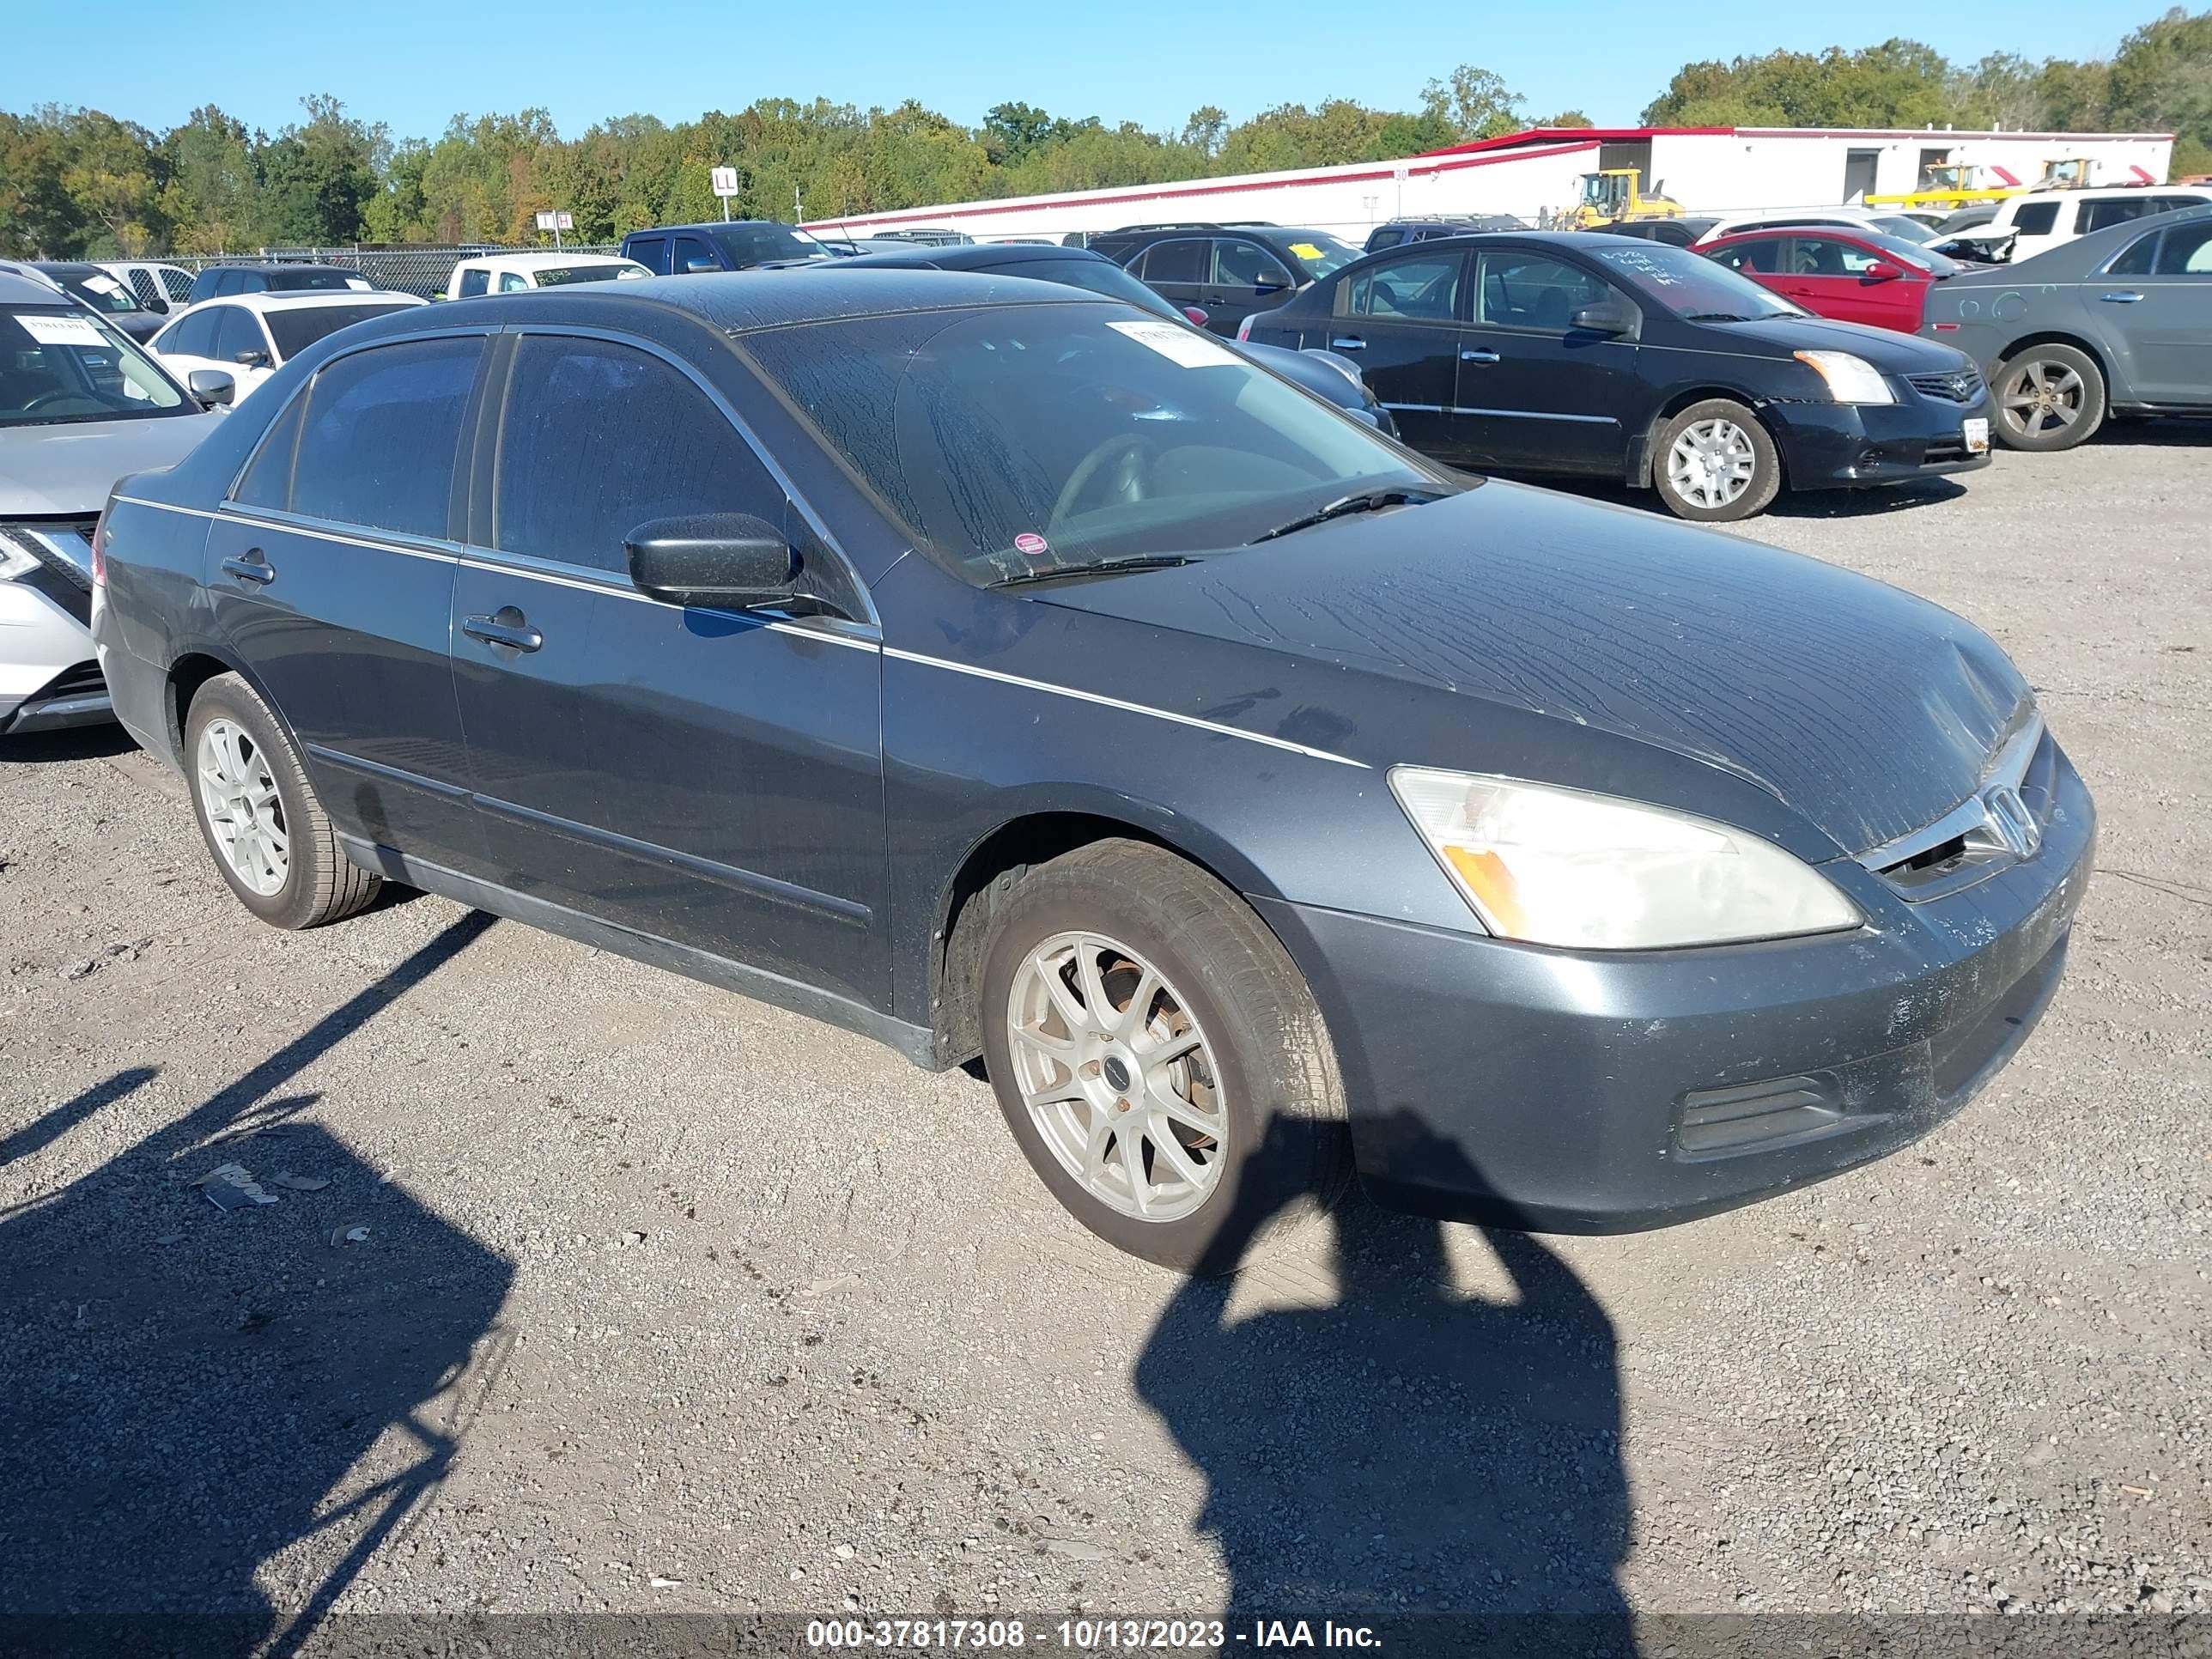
column 504, row 627
column 253, row 567
column 1350, row 342
column 2124, row 297
column 1478, row 355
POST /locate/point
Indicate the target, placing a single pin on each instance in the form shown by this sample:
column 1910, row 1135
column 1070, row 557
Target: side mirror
column 1197, row 314
column 1608, row 317
column 1882, row 272
column 1269, row 286
column 693, row 267
column 211, row 387
column 256, row 359
column 723, row 560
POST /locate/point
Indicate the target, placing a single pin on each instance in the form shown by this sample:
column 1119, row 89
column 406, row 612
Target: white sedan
column 249, row 336
column 514, row 273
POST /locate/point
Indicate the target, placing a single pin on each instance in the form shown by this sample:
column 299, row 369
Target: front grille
column 1959, row 385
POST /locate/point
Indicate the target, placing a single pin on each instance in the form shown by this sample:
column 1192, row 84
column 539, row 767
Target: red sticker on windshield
column 1031, row 543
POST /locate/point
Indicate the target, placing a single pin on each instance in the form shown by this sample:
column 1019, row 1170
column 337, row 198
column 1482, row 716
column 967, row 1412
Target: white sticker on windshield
column 101, row 282
column 359, row 284
column 61, row 330
column 1177, row 344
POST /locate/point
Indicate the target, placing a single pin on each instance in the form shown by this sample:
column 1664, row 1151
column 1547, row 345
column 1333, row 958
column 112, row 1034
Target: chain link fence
column 416, row 268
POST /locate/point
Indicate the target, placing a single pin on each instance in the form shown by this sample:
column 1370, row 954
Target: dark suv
column 1397, row 233
column 1228, row 271
column 274, row 277
column 738, row 245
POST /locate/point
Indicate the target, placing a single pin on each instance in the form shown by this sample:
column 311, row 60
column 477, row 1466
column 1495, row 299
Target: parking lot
column 624, row 1293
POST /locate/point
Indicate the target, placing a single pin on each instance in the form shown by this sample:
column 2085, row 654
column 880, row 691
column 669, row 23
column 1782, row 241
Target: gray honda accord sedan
column 1003, row 673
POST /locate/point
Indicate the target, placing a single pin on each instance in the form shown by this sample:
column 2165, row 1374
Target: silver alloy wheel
column 2043, row 396
column 237, row 792
column 1118, row 1078
column 1710, row 463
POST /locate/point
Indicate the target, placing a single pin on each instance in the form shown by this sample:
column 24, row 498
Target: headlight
column 1850, row 380
column 1556, row 866
column 15, row 560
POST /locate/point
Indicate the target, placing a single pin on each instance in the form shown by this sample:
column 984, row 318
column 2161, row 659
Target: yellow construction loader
column 1614, row 194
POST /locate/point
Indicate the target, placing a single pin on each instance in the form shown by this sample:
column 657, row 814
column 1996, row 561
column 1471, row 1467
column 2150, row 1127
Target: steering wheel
column 1121, row 460
column 45, row 398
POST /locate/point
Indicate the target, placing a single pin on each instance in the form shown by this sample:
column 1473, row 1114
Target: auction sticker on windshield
column 62, row 330
column 1178, row 345
column 1305, row 250
column 1978, row 436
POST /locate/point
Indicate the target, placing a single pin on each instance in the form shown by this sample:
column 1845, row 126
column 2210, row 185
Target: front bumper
column 1572, row 1092
column 1851, row 446
column 47, row 674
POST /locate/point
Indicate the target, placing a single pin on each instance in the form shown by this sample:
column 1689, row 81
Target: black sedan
column 100, row 291
column 1612, row 358
column 2117, row 322
column 1331, row 377
column 1018, row 674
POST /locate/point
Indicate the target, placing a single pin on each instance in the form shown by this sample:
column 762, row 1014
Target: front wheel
column 1159, row 1057
column 1714, row 463
column 2049, row 398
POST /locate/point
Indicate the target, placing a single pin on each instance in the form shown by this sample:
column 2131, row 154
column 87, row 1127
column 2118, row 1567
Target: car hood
column 54, row 472
column 1868, row 711
column 1886, row 348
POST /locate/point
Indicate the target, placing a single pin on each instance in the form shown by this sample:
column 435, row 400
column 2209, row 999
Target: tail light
column 1244, row 328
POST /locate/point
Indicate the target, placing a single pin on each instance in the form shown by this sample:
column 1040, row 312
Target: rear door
column 651, row 251
column 707, row 777
column 1536, row 392
column 1399, row 321
column 331, row 574
column 1177, row 270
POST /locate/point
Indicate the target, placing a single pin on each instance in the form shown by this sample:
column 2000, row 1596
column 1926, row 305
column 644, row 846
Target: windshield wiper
column 1368, row 501
column 1717, row 317
column 1107, row 567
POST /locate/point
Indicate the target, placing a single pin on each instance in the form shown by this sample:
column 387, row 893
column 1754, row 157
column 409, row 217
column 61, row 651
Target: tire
column 1725, row 430
column 1262, row 1102
column 247, row 786
column 2049, row 398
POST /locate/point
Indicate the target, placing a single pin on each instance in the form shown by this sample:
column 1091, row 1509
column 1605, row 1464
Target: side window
column 2187, row 251
column 474, row 281
column 693, row 255
column 1530, row 290
column 1176, row 262
column 2136, row 260
column 382, row 428
column 2036, row 218
column 597, row 438
column 1240, row 264
column 191, row 335
column 1763, row 257
column 2112, row 210
column 249, row 282
column 652, row 252
column 1421, row 288
column 1385, row 239
column 237, row 331
column 511, row 283
column 1828, row 256
column 268, row 480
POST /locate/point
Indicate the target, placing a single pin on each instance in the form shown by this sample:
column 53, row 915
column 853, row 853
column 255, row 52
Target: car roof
column 544, row 261
column 310, row 298
column 275, row 265
column 739, row 301
column 963, row 256
column 709, row 224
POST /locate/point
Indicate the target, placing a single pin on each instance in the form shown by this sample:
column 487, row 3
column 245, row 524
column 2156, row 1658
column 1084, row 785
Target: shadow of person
column 225, row 1413
column 1406, row 1451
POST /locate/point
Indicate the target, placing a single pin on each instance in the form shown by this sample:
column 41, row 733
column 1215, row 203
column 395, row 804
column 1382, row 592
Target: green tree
column 319, row 175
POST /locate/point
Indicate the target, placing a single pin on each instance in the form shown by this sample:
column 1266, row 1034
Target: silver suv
column 80, row 406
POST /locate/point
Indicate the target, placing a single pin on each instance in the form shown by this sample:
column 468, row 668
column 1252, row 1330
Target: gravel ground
column 668, row 1301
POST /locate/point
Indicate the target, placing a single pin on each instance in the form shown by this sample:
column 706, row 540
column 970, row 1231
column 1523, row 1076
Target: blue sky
column 1144, row 60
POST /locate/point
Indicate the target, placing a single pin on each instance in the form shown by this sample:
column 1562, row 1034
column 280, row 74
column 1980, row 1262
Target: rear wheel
column 1159, row 1057
column 2049, row 398
column 1715, row 464
column 258, row 814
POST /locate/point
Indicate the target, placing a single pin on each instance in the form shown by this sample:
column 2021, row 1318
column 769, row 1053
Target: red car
column 1852, row 276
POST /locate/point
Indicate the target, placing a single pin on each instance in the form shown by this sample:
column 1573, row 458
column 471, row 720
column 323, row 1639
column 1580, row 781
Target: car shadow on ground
column 193, row 1391
column 2180, row 432
column 1408, row 1449
column 70, row 743
column 1790, row 504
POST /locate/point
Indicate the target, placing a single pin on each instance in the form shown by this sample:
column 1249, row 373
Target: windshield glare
column 57, row 365
column 1909, row 230
column 1097, row 275
column 296, row 329
column 1690, row 285
column 1320, row 253
column 561, row 276
column 1056, row 437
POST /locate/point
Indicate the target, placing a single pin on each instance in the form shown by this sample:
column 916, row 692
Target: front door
column 707, row 777
column 1246, row 278
column 1834, row 277
column 2168, row 330
column 1537, row 391
column 1400, row 321
column 331, row 572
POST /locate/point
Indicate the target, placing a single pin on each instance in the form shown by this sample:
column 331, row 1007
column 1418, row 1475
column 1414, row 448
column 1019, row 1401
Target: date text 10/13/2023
column 1085, row 1635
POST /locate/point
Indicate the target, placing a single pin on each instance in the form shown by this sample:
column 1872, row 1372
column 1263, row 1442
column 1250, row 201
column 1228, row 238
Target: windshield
column 1032, row 438
column 298, row 278
column 1690, row 285
column 296, row 330
column 561, row 276
column 99, row 290
column 1903, row 228
column 1098, row 275
column 1320, row 253
column 753, row 245
column 1916, row 253
column 58, row 365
